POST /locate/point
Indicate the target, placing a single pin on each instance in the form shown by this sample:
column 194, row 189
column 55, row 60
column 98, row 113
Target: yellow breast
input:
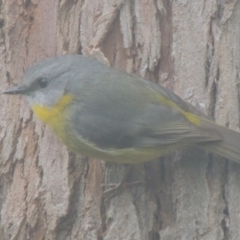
column 54, row 116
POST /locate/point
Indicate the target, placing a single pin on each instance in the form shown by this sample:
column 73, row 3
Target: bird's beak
column 15, row 90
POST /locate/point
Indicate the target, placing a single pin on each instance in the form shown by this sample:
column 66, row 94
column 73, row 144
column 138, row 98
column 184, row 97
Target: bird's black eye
column 42, row 82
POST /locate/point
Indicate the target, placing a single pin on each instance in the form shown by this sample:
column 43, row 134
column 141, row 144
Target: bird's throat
column 55, row 115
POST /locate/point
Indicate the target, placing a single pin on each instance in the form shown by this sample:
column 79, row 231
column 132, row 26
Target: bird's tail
column 228, row 146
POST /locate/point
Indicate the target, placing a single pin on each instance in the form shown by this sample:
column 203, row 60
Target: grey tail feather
column 228, row 146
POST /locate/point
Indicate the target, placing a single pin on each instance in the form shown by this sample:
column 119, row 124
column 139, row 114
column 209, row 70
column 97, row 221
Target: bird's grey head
column 45, row 82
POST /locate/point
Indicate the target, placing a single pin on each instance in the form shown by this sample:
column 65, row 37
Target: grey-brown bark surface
column 191, row 47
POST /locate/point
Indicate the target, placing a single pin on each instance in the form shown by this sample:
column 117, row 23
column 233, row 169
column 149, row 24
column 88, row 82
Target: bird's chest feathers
column 54, row 117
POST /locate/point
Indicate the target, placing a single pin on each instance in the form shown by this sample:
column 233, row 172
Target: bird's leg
column 116, row 188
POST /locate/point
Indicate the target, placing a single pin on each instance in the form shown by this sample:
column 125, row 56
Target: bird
column 105, row 113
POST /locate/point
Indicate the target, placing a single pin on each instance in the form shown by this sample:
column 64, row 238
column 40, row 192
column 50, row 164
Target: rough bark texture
column 191, row 47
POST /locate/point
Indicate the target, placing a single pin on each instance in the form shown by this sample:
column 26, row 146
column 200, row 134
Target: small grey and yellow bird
column 108, row 114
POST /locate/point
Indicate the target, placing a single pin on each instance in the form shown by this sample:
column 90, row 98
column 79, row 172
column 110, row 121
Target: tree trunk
column 47, row 192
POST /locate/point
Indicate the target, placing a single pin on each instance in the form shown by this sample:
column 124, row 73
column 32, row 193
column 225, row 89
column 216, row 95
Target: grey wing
column 110, row 124
column 121, row 113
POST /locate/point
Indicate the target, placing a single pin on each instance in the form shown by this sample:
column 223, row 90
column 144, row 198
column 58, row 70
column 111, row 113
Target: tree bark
column 47, row 192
